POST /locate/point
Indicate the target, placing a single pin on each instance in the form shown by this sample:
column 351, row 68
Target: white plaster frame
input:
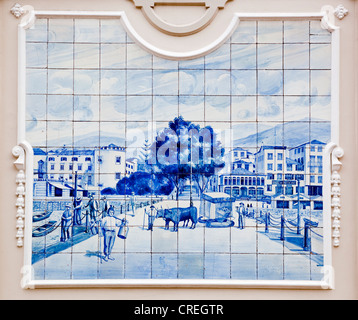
column 24, row 153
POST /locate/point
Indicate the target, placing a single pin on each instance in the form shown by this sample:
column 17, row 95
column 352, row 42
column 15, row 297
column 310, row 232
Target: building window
column 269, row 156
column 100, row 159
column 51, row 159
column 279, row 167
column 289, row 167
column 89, row 167
column 62, row 167
column 74, row 159
column 79, row 166
column 88, row 159
column 269, row 187
column 52, row 167
column 320, row 179
column 63, row 158
column 312, row 179
column 269, row 166
column 118, row 176
column 279, row 156
column 118, row 160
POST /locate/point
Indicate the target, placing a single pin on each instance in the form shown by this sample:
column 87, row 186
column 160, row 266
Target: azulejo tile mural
column 146, row 168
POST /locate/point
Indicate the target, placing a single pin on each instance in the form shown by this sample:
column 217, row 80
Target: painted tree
column 184, row 150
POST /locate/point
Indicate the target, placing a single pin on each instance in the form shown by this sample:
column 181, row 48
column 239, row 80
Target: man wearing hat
column 77, row 205
column 66, row 222
column 241, row 211
column 109, row 227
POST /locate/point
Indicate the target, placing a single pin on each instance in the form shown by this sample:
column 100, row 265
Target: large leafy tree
column 184, row 150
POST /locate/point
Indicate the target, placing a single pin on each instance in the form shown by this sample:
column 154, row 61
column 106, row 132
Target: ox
column 177, row 215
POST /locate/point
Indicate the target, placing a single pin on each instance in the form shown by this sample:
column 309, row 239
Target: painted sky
column 85, row 77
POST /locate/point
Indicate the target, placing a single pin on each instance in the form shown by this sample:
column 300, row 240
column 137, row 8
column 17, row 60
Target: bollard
column 266, row 222
column 306, row 240
column 282, row 236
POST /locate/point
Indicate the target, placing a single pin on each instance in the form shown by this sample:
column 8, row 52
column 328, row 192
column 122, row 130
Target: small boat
column 42, row 216
column 45, row 229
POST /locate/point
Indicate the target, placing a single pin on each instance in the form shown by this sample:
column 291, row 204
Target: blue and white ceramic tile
column 217, row 82
column 269, row 56
column 165, row 108
column 60, row 107
column 36, row 80
column 192, row 107
column 61, row 30
column 103, row 117
column 59, row 134
column 38, row 33
column 112, row 31
column 270, row 32
column 270, row 108
column 243, row 56
column 317, row 34
column 243, row 108
column 297, row 108
column 36, row 133
column 217, row 108
column 191, row 82
column 113, row 56
column 36, row 55
column 87, row 82
column 219, row 59
column 86, row 108
column 320, row 83
column 86, row 56
column 36, row 107
column 297, row 31
column 246, row 33
column 321, row 108
column 297, row 82
column 87, row 30
column 296, row 56
column 320, row 56
column 243, row 82
column 165, row 82
column 60, row 55
column 137, row 58
column 112, row 82
column 270, row 82
column 139, row 82
column 60, row 81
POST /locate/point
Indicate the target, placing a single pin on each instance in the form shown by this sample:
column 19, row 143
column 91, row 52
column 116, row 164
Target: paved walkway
column 212, row 253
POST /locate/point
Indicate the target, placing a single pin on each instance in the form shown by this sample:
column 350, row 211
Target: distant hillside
column 290, row 134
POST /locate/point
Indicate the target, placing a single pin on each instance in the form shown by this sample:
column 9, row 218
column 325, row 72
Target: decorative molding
column 26, row 12
column 336, row 194
column 340, row 12
column 212, row 6
column 19, row 152
column 17, row 10
column 328, row 19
